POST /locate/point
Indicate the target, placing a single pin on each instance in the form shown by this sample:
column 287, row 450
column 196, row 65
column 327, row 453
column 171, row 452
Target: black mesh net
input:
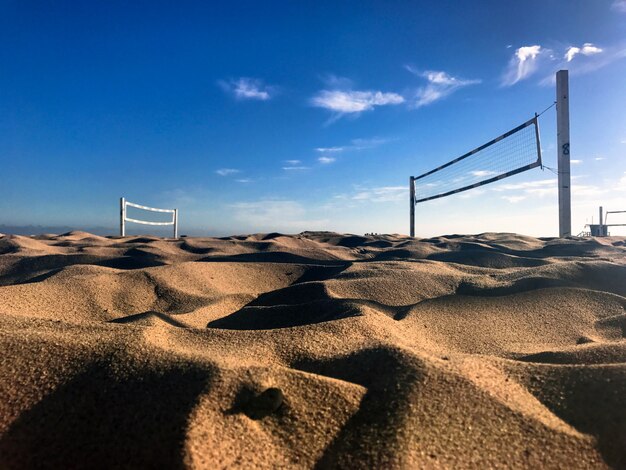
column 513, row 152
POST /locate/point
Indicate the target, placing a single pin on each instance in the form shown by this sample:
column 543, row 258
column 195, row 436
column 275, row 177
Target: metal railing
column 123, row 218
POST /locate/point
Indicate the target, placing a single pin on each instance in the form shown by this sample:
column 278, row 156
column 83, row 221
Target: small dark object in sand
column 584, row 340
column 264, row 404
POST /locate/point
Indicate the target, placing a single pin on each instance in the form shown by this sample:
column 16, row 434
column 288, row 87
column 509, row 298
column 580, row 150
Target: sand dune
column 313, row 350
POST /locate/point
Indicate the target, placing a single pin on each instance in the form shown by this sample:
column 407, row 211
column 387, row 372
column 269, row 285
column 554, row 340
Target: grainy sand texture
column 316, row 350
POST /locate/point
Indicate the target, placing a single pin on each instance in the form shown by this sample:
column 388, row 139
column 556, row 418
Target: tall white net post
column 564, row 179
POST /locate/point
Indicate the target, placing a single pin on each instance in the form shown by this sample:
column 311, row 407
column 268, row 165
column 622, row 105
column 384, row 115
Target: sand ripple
column 312, row 350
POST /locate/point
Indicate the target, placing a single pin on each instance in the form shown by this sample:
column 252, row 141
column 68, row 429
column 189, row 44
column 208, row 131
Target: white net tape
column 145, row 222
column 146, row 208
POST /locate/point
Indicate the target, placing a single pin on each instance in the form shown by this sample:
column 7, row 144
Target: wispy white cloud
column 326, row 160
column 361, row 144
column 226, row 171
column 381, row 194
column 575, row 162
column 349, row 101
column 440, row 84
column 525, row 185
column 330, row 149
column 271, row 214
column 541, row 192
column 542, row 188
column 356, row 144
column 538, row 60
column 246, row 88
column 598, row 159
column 296, row 168
column 571, row 53
column 619, row 6
column 583, row 190
column 523, row 64
column 528, row 61
column 293, row 162
column 472, row 194
column 587, row 49
column 244, row 180
column 514, row 199
column 591, row 62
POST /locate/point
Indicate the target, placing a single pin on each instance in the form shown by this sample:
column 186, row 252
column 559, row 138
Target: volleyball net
column 511, row 153
column 124, row 204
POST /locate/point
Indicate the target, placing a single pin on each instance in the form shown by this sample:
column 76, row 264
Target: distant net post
column 122, row 217
column 564, row 179
column 412, row 205
column 175, row 223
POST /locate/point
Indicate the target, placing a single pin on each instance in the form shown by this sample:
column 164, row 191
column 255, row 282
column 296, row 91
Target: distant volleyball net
column 124, row 204
column 511, row 153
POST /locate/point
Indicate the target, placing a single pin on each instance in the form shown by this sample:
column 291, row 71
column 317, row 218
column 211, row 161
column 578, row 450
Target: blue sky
column 282, row 116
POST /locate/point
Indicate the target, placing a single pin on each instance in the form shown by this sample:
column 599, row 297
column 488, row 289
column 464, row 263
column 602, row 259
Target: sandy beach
column 317, row 350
